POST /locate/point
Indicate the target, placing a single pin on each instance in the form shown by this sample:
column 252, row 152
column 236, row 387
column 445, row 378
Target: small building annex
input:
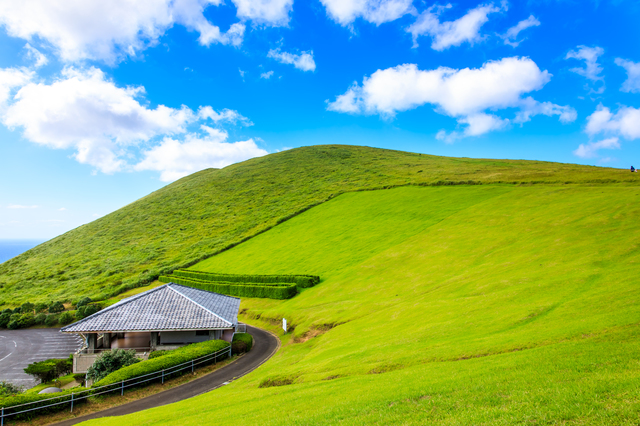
column 164, row 317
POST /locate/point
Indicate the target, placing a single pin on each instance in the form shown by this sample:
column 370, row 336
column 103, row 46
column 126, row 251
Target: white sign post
column 284, row 325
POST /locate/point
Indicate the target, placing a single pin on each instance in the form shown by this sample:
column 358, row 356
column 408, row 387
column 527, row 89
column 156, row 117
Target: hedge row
column 175, row 357
column 242, row 342
column 281, row 291
column 302, row 281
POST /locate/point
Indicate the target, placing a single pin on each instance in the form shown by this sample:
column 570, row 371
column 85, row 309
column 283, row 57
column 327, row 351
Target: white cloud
column 632, row 84
column 267, row 12
column 451, row 33
column 465, row 94
column 512, row 33
column 108, row 31
column 224, row 116
column 18, row 206
column 590, row 150
column 36, row 56
column 175, row 159
column 61, row 209
column 624, row 123
column 592, row 69
column 303, row 61
column 266, row 75
column 12, row 78
column 345, row 12
column 85, row 111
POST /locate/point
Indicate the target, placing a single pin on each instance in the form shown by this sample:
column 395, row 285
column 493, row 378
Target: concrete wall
column 227, row 335
column 82, row 362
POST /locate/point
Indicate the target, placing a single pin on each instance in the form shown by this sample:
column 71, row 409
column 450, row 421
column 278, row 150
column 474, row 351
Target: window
column 202, row 332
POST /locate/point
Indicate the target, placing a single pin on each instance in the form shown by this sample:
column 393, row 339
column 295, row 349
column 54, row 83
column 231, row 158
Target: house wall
column 131, row 340
column 227, row 335
column 173, row 337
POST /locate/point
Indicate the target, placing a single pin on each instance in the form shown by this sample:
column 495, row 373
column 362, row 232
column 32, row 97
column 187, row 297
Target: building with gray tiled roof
column 161, row 318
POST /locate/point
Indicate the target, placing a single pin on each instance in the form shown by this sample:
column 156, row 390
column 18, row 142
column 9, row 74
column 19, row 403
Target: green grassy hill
column 484, row 304
column 211, row 210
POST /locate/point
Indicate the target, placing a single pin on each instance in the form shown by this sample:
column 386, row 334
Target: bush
column 13, row 325
column 27, row 308
column 17, row 310
column 49, row 370
column 56, row 307
column 156, row 354
column 80, row 378
column 51, row 320
column 4, row 319
column 84, row 301
column 173, row 358
column 110, row 361
column 66, row 318
column 242, row 342
column 40, row 318
column 8, row 389
column 8, row 311
column 80, row 313
column 26, row 320
column 302, row 281
column 41, row 307
column 271, row 291
column 91, row 309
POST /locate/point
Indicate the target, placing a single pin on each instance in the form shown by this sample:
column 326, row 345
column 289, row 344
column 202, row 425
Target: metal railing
column 74, row 397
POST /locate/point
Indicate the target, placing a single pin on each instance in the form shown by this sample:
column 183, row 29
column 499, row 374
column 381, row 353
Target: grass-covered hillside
column 208, row 211
column 490, row 304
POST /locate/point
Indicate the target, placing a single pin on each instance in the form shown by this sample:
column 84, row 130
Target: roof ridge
column 117, row 304
column 196, row 303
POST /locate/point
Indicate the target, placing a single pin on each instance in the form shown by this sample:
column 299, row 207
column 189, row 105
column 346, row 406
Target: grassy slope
column 484, row 304
column 201, row 214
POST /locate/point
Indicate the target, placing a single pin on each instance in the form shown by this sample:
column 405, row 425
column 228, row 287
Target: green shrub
column 26, row 320
column 8, row 311
column 84, row 301
column 80, row 313
column 175, row 357
column 27, row 308
column 270, row 290
column 80, row 378
column 91, row 309
column 156, row 354
column 51, row 320
column 109, row 361
column 13, row 325
column 4, row 319
column 242, row 342
column 49, row 370
column 302, row 281
column 8, row 389
column 66, row 317
column 56, row 307
column 17, row 310
column 41, row 307
column 40, row 318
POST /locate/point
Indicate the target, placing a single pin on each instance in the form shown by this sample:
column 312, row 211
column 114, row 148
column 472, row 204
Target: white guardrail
column 118, row 386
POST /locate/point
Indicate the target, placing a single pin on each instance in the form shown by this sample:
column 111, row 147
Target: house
column 162, row 318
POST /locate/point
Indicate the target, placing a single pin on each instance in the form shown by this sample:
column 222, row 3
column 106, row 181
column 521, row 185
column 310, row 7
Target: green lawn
column 202, row 214
column 493, row 304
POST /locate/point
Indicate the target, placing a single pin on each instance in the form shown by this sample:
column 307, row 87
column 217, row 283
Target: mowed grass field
column 492, row 304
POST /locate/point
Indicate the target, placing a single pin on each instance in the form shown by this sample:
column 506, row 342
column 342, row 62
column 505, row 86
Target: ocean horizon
column 12, row 248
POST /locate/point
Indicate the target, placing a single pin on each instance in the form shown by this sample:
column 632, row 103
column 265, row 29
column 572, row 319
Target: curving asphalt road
column 265, row 345
column 19, row 348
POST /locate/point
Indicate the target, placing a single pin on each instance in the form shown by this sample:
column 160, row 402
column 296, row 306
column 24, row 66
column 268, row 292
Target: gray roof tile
column 168, row 307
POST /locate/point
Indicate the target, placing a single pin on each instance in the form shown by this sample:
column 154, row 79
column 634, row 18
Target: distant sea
column 12, row 248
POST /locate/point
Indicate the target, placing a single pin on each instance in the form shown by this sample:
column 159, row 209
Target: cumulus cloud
column 101, row 122
column 512, row 33
column 36, row 56
column 345, row 12
column 266, row 12
column 632, row 84
column 12, row 79
column 624, row 123
column 266, row 75
column 304, row 61
column 590, row 150
column 108, row 31
column 465, row 94
column 175, row 159
column 592, row 69
column 451, row 33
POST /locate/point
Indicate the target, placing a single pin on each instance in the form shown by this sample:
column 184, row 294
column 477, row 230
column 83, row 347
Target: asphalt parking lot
column 19, row 348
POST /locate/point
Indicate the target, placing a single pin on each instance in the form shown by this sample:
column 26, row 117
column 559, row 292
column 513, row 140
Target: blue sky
column 104, row 102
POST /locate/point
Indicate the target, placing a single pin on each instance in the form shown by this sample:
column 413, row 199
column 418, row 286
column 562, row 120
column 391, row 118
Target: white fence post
column 72, row 402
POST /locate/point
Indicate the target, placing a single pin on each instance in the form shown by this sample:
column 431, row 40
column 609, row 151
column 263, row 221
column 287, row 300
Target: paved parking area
column 19, row 348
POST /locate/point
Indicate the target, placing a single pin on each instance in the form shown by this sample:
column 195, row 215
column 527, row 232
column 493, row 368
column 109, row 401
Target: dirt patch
column 315, row 331
column 278, row 381
column 385, row 368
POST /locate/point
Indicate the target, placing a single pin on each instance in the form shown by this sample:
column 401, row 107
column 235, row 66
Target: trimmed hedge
column 177, row 356
column 302, row 281
column 242, row 342
column 270, row 291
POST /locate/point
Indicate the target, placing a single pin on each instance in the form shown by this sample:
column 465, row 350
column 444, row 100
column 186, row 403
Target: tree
column 26, row 320
column 49, row 370
column 51, row 320
column 110, row 361
column 66, row 318
column 4, row 319
column 8, row 389
column 40, row 318
column 84, row 301
column 27, row 308
column 41, row 307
